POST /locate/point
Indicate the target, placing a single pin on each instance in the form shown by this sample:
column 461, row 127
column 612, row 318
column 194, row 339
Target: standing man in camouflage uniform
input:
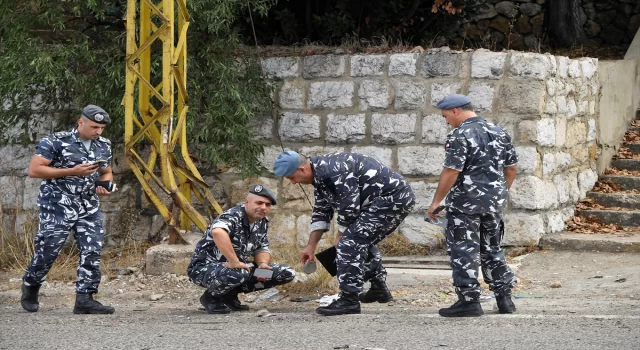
column 371, row 201
column 70, row 163
column 220, row 260
column 479, row 167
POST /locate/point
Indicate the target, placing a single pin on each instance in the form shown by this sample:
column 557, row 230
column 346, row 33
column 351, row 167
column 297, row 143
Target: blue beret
column 263, row 191
column 96, row 114
column 453, row 101
column 287, row 163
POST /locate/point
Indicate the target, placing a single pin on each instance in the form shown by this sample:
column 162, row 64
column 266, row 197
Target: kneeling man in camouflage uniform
column 371, row 200
column 220, row 260
column 479, row 167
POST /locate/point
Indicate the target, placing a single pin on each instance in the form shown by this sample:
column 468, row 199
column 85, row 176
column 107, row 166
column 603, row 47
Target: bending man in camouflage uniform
column 371, row 201
column 68, row 201
column 479, row 167
column 219, row 262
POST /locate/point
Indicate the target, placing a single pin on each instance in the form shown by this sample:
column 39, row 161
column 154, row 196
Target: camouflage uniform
column 371, row 200
column 68, row 204
column 479, row 151
column 207, row 264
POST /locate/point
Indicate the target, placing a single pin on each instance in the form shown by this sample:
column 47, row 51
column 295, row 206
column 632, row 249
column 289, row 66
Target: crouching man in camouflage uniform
column 371, row 201
column 68, row 201
column 479, row 167
column 219, row 262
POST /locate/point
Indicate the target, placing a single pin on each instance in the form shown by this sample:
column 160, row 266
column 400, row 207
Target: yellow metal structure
column 159, row 114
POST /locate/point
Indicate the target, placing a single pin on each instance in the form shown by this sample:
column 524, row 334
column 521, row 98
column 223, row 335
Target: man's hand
column 103, row 191
column 431, row 209
column 84, row 169
column 307, row 254
column 264, row 265
column 237, row 265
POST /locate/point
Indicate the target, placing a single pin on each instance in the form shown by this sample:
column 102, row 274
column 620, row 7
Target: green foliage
column 56, row 56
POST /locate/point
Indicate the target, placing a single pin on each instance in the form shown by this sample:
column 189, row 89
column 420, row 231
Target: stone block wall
column 518, row 24
column 383, row 106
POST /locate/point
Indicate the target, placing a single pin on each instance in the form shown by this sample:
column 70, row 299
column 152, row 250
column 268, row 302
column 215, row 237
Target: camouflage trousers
column 473, row 241
column 357, row 256
column 219, row 280
column 54, row 228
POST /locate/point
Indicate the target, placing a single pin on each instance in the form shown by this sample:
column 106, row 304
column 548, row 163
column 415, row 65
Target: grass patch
column 317, row 283
column 398, row 245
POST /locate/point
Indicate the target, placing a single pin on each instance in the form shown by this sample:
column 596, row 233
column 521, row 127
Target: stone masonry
column 383, row 105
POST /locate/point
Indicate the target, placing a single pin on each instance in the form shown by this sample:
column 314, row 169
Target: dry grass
column 17, row 248
column 398, row 245
column 317, row 283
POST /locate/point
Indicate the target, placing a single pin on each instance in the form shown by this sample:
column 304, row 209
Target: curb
column 591, row 242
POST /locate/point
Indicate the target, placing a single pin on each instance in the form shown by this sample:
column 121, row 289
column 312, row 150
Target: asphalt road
column 597, row 307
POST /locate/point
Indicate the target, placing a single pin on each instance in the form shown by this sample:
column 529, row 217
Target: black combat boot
column 347, row 303
column 29, row 298
column 232, row 301
column 505, row 304
column 85, row 304
column 216, row 305
column 462, row 309
column 206, row 298
column 378, row 292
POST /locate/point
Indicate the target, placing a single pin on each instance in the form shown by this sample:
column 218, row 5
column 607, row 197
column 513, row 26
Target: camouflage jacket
column 65, row 150
column 247, row 239
column 350, row 183
column 479, row 151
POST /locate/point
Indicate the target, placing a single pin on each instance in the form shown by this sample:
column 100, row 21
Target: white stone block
column 573, row 109
column 420, row 160
column 548, row 163
column 576, row 134
column 555, row 221
column 528, row 160
column 592, row 107
column 522, row 97
column 393, row 128
column 441, row 90
column 487, row 64
column 331, row 94
column 574, row 69
column 417, row 231
column 410, row 94
column 270, row 155
column 280, row 67
column 373, row 94
column 588, row 67
column 349, row 128
column 563, row 189
column 292, row 95
column 434, row 129
column 541, row 132
column 403, row 64
column 481, row 95
column 586, row 180
column 563, row 161
column 583, row 107
column 563, row 66
column 530, row 192
column 323, row 66
column 552, row 86
column 30, row 194
column 529, row 65
column 299, row 127
column 522, row 229
column 367, row 65
column 439, row 63
column 562, row 105
column 381, row 154
column 424, row 194
column 11, row 191
column 320, row 150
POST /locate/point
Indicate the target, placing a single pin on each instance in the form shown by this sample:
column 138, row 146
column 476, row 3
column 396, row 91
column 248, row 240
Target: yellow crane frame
column 151, row 120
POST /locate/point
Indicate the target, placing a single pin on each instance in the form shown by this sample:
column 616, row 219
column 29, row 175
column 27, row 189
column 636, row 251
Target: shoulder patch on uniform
column 104, row 139
column 61, row 134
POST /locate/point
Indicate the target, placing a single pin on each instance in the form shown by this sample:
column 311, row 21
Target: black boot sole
column 325, row 312
column 506, row 311
column 464, row 314
column 92, row 312
column 28, row 308
column 381, row 301
column 233, row 308
column 219, row 312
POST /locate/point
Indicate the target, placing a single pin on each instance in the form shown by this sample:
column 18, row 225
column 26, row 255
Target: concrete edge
column 591, row 242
